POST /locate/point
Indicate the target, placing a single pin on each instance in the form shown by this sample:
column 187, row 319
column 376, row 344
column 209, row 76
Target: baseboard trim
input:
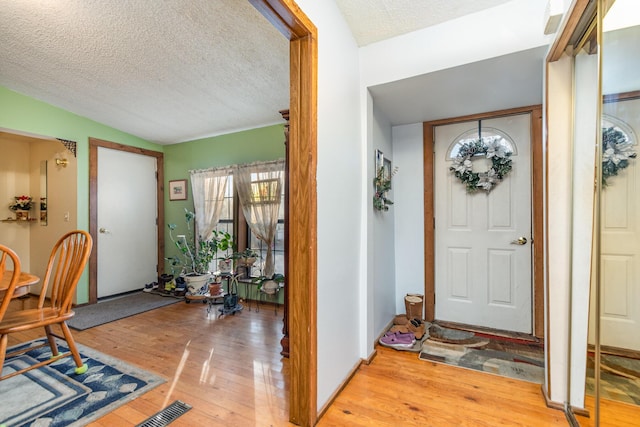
column 560, row 406
column 335, row 394
column 353, row 371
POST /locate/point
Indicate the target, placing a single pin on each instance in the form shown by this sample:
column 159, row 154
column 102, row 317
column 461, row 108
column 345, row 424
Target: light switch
column 66, row 216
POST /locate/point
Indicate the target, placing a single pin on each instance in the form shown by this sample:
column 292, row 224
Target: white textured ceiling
column 174, row 70
column 374, row 20
column 167, row 71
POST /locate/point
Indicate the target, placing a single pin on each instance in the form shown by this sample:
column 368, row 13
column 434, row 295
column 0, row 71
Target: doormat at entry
column 520, row 361
column 55, row 396
column 118, row 308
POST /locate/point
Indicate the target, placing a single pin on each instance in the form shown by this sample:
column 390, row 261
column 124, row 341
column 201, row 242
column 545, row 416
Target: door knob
column 104, row 231
column 520, row 241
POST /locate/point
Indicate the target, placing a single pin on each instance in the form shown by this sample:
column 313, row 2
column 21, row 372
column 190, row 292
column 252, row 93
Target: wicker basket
column 413, row 304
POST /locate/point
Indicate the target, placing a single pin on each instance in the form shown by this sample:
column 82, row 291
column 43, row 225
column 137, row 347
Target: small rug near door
column 118, row 308
column 494, row 355
column 54, row 395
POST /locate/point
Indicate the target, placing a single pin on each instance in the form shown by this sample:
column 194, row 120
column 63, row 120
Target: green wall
column 248, row 146
column 24, row 114
column 28, row 115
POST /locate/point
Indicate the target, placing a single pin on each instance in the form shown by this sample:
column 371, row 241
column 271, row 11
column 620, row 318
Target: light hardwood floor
column 231, row 372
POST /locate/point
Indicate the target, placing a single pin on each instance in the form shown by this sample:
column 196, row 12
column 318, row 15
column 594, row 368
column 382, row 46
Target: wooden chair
column 5, row 298
column 66, row 264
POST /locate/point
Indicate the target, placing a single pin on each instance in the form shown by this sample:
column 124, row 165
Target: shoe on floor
column 400, row 319
column 398, row 340
column 403, row 329
column 148, row 287
column 417, row 327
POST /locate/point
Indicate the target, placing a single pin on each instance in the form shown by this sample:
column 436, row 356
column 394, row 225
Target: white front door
column 127, row 231
column 620, row 244
column 482, row 274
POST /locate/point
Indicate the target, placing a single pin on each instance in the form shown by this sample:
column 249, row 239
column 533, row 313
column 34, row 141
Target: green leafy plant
column 382, row 185
column 276, row 279
column 195, row 255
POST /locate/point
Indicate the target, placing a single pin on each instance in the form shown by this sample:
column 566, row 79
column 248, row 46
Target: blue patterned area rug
column 54, row 395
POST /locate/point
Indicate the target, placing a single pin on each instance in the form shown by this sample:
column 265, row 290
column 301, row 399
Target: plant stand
column 230, row 304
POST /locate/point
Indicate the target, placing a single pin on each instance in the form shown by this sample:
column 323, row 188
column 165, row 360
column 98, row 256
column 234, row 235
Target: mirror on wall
column 43, row 192
column 613, row 371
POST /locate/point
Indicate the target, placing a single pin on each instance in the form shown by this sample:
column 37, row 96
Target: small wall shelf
column 18, row 220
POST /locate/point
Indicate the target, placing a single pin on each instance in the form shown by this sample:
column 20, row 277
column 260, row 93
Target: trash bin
column 413, row 304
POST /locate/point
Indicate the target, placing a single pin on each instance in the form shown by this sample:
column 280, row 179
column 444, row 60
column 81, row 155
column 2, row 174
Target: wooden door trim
column 302, row 278
column 536, row 200
column 94, row 144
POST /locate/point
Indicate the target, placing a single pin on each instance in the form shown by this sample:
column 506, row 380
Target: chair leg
column 52, row 341
column 3, row 350
column 81, row 368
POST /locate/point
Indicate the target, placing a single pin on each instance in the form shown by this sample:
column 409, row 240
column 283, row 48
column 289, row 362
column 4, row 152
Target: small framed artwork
column 379, row 160
column 178, row 189
column 387, row 171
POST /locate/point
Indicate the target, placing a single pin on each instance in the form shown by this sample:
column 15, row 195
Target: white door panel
column 620, row 245
column 127, row 231
column 482, row 278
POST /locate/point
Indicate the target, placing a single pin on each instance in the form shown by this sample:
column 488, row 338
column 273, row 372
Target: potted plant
column 269, row 285
column 195, row 256
column 21, row 205
column 246, row 258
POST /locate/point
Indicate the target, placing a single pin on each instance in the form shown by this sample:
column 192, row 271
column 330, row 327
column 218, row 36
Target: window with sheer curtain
column 259, row 187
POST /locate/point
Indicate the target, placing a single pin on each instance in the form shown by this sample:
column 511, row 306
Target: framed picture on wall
column 379, row 160
column 178, row 189
column 387, row 171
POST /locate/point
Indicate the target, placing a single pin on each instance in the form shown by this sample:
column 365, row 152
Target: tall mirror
column 613, row 370
column 43, row 192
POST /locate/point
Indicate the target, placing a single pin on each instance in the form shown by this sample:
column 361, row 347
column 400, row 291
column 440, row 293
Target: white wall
column 383, row 262
column 511, row 27
column 340, row 211
column 409, row 211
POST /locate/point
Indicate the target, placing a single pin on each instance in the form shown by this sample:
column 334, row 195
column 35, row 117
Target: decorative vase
column 22, row 215
column 196, row 284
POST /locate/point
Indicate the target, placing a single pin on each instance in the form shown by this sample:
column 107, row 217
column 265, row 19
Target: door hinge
column 434, row 222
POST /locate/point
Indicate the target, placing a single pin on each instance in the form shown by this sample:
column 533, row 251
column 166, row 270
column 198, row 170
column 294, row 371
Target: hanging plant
column 617, row 151
column 501, row 164
column 382, row 184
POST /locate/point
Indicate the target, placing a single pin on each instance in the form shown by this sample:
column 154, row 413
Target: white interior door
column 127, row 231
column 482, row 278
column 620, row 244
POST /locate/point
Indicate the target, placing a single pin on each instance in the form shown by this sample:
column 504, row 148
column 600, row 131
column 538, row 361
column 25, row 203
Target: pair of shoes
column 398, row 340
column 148, row 287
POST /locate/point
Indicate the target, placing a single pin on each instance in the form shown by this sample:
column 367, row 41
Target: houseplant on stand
column 245, row 260
column 195, row 256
